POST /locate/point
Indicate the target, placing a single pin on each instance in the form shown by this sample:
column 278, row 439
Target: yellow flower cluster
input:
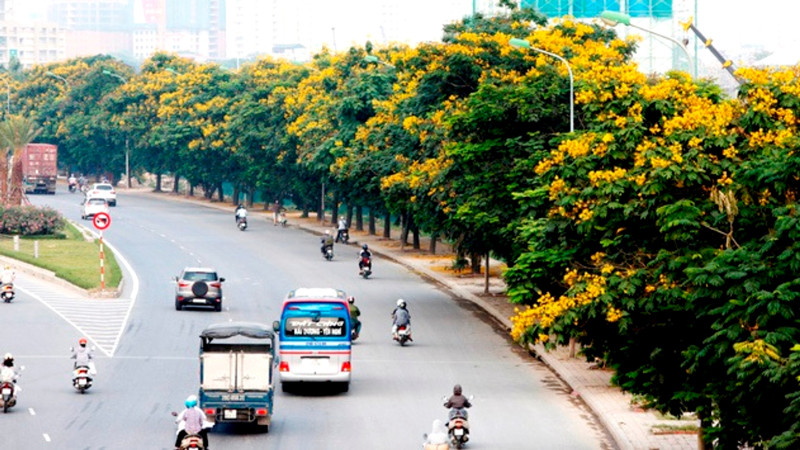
column 613, row 314
column 556, row 187
column 608, row 176
column 548, row 308
column 725, row 180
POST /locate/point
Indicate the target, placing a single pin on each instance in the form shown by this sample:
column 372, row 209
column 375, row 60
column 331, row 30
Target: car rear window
column 103, row 187
column 97, row 201
column 200, row 276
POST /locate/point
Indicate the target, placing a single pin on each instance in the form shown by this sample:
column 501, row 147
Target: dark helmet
column 351, row 299
column 457, row 389
column 365, row 247
column 240, row 206
column 8, row 360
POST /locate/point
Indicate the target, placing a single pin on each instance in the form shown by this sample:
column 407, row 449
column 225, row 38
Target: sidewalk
column 631, row 428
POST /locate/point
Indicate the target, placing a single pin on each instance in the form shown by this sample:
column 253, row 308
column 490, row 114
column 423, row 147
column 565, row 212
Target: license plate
column 199, row 300
column 458, row 432
column 229, row 414
column 82, row 382
column 6, row 391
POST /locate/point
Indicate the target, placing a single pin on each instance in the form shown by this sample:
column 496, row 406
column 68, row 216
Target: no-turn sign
column 101, row 221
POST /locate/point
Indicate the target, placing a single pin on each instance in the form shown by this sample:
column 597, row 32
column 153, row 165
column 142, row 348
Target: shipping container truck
column 39, row 168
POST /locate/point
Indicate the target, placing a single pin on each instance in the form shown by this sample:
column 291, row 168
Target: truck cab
column 236, row 367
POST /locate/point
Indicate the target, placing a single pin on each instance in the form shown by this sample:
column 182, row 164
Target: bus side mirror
column 276, row 326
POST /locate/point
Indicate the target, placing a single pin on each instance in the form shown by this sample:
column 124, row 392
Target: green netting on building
column 592, row 8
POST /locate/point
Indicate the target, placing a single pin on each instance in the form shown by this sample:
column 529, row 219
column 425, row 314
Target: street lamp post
column 8, row 97
column 127, row 148
column 522, row 43
column 376, row 60
column 612, row 19
column 58, row 77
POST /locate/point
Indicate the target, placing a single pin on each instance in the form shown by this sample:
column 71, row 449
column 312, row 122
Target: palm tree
column 15, row 133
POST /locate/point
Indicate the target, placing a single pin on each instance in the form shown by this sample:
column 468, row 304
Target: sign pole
column 102, row 265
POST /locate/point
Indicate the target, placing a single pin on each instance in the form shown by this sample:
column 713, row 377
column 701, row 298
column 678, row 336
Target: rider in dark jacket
column 365, row 253
column 457, row 403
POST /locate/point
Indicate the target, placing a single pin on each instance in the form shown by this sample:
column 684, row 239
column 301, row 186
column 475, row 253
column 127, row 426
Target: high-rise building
column 196, row 28
column 94, row 26
column 249, row 28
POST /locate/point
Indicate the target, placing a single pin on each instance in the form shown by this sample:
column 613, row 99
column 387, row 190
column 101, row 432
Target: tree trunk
column 387, row 225
column 15, row 194
column 404, row 230
column 235, row 195
column 158, row 182
column 191, row 190
column 349, row 215
column 434, row 238
column 475, row 262
column 250, row 198
column 414, row 229
column 221, row 194
column 372, row 222
column 176, row 184
column 335, row 208
column 486, row 277
column 359, row 218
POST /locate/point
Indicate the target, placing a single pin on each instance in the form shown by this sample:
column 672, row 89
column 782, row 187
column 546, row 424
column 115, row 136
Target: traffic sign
column 101, row 221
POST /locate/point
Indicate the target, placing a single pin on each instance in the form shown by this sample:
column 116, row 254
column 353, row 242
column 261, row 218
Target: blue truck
column 236, row 366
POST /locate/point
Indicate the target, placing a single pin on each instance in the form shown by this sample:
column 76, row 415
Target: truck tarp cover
column 232, row 329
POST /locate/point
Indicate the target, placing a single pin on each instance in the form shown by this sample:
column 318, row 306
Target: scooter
column 282, row 219
column 241, row 223
column 9, row 395
column 328, row 254
column 354, row 330
column 403, row 334
column 191, row 441
column 7, row 292
column 458, row 426
column 345, row 236
column 72, row 188
column 82, row 379
column 366, row 267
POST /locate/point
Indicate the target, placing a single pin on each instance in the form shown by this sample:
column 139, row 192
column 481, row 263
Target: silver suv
column 198, row 286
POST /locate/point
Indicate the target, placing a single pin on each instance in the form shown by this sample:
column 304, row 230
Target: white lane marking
column 46, row 437
column 30, row 410
column 134, row 294
column 66, row 319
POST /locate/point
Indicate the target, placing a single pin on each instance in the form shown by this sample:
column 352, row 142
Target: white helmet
column 8, row 356
column 327, row 232
column 401, row 303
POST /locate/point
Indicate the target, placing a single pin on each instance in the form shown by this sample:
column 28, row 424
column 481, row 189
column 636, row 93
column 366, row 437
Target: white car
column 105, row 191
column 92, row 206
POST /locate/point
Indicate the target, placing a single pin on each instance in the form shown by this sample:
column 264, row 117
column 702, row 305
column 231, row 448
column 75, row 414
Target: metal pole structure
column 727, row 64
column 8, row 97
column 525, row 44
column 102, row 265
column 127, row 163
column 58, row 77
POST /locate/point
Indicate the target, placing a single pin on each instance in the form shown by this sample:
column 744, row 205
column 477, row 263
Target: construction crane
column 727, row 64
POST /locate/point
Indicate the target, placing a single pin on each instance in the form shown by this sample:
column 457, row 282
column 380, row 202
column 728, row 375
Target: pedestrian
column 276, row 209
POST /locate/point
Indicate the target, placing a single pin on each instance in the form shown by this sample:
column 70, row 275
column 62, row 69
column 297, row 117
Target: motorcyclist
column 8, row 275
column 365, row 253
column 7, row 371
column 72, row 181
column 81, row 181
column 457, row 403
column 354, row 314
column 240, row 213
column 82, row 355
column 400, row 317
column 326, row 241
column 191, row 421
column 341, row 230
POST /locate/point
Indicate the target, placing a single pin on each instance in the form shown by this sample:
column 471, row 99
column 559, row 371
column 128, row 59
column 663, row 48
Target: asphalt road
column 395, row 391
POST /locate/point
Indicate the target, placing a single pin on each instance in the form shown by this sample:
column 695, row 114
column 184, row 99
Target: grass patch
column 674, row 429
column 71, row 258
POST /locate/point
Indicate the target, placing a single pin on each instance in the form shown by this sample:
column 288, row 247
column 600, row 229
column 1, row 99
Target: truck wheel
column 263, row 423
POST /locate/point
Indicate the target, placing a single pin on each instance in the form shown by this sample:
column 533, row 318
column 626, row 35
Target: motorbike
column 403, row 334
column 7, row 292
column 190, row 441
column 9, row 397
column 354, row 330
column 72, row 188
column 241, row 223
column 366, row 267
column 282, row 219
column 328, row 254
column 345, row 236
column 82, row 379
column 458, row 426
